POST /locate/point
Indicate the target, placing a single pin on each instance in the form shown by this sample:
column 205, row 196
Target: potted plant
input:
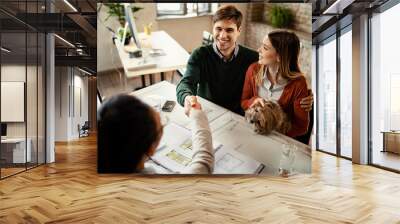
column 280, row 17
column 118, row 10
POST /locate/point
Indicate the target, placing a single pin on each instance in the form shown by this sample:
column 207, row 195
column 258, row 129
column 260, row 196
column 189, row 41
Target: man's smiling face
column 225, row 34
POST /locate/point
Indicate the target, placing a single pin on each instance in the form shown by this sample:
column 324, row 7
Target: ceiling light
column 5, row 50
column 70, row 5
column 86, row 72
column 65, row 41
column 338, row 6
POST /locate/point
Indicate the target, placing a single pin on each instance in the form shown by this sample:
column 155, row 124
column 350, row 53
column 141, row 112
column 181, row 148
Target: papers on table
column 230, row 130
column 176, row 151
column 228, row 161
column 212, row 111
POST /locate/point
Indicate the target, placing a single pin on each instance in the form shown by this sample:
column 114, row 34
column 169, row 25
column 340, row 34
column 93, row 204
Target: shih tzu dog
column 268, row 118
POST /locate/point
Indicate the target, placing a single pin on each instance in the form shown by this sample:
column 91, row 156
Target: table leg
column 151, row 79
column 384, row 143
column 162, row 76
column 143, row 81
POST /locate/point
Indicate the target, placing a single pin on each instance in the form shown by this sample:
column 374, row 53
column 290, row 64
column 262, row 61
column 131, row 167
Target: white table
column 175, row 57
column 265, row 149
column 17, row 147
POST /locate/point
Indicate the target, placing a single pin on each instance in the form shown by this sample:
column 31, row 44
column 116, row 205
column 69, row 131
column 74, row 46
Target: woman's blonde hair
column 287, row 45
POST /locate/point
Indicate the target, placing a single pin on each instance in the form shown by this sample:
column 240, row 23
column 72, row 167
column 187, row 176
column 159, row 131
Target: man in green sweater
column 216, row 72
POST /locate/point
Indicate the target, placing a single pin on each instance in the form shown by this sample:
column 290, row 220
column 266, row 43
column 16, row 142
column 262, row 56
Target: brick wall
column 257, row 28
column 256, row 11
column 301, row 12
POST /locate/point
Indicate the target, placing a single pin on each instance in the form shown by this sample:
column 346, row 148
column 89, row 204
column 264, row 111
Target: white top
column 269, row 92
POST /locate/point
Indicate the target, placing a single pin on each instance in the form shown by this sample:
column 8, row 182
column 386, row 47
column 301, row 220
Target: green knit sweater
column 208, row 76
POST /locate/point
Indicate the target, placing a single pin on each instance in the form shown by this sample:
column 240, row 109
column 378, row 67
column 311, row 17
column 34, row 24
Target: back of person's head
column 228, row 12
column 126, row 130
column 287, row 45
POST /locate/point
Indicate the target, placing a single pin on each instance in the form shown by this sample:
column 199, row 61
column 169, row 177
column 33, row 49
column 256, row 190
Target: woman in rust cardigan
column 277, row 76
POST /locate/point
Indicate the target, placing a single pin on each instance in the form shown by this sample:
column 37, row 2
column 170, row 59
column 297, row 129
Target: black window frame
column 184, row 10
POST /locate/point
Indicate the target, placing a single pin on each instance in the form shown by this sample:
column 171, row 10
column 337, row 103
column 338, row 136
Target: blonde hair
column 287, row 45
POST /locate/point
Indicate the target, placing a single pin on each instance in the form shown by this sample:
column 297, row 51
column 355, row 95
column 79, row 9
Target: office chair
column 84, row 130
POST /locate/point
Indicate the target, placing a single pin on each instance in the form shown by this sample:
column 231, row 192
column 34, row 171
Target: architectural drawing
column 178, row 157
column 229, row 162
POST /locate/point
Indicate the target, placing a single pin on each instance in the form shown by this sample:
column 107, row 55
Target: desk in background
column 13, row 150
column 175, row 56
column 391, row 141
column 265, row 149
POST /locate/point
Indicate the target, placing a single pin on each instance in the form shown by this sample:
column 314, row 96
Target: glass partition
column 14, row 142
column 23, row 87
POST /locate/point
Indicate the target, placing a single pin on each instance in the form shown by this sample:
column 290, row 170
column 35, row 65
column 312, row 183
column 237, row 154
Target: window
column 346, row 93
column 203, row 7
column 385, row 87
column 334, row 99
column 171, row 9
column 327, row 96
column 185, row 9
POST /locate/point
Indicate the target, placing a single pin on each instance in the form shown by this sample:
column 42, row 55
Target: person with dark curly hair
column 129, row 132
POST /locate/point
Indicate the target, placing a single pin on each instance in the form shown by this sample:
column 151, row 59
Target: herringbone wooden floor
column 70, row 191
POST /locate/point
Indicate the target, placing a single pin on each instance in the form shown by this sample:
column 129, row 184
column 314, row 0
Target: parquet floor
column 70, row 191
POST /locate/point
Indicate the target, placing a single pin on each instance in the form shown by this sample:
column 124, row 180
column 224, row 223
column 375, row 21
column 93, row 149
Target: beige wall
column 186, row 31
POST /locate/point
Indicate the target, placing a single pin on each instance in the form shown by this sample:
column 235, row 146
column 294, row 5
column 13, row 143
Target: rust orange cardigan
column 293, row 92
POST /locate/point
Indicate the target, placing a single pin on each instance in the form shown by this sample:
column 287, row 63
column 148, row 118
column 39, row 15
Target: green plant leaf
column 117, row 10
column 280, row 17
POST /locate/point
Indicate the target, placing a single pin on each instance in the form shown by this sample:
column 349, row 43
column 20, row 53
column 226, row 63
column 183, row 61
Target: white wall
column 33, row 127
column 79, row 117
column 67, row 116
column 11, row 73
column 186, row 31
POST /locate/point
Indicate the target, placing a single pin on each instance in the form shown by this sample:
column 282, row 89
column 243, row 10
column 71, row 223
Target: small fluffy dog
column 268, row 118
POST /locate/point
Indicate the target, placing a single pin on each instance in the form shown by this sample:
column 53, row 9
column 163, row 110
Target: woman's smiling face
column 267, row 54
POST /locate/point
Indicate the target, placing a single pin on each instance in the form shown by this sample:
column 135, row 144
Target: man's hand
column 307, row 102
column 191, row 103
column 258, row 101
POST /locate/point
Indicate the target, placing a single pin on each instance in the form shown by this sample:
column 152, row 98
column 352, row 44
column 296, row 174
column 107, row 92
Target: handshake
column 191, row 103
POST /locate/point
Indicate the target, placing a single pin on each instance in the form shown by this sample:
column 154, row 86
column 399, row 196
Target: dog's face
column 266, row 118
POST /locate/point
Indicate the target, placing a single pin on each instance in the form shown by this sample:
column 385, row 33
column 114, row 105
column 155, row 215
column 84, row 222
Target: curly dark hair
column 126, row 130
